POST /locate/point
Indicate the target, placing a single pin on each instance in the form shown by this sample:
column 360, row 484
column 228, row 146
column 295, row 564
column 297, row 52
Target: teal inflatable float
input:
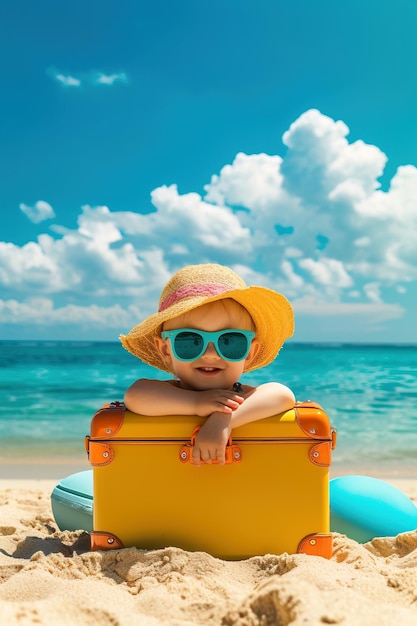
column 72, row 502
column 361, row 507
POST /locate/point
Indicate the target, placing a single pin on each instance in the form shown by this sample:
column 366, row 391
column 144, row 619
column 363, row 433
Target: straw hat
column 196, row 285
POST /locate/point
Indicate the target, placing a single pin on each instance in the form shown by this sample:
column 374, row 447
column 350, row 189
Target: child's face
column 210, row 370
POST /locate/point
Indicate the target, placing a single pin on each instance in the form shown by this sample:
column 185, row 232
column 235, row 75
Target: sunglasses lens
column 188, row 346
column 233, row 346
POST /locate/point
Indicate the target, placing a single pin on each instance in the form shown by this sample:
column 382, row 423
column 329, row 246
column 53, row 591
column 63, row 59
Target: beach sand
column 49, row 578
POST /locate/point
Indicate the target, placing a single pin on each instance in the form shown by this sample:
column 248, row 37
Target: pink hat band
column 188, row 291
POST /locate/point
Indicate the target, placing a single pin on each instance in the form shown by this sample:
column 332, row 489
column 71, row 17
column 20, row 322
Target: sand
column 49, row 578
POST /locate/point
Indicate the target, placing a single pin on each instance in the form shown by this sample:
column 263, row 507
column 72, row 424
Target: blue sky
column 277, row 137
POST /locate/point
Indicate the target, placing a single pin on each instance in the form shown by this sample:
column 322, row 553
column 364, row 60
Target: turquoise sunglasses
column 188, row 344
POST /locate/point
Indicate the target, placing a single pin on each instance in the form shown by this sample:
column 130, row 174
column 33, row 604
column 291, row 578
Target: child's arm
column 263, row 401
column 157, row 397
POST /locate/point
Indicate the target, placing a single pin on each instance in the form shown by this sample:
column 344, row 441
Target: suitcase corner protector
column 317, row 544
column 100, row 453
column 101, row 540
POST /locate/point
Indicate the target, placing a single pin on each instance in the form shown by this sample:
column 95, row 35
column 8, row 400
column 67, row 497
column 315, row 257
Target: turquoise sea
column 50, row 391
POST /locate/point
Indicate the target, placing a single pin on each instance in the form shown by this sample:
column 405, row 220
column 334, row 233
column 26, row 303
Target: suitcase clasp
column 233, row 453
column 334, row 437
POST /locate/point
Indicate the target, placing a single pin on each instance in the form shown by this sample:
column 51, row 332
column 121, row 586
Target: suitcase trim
column 99, row 453
column 310, row 418
column 108, row 420
column 321, row 454
column 313, row 420
column 317, row 544
column 102, row 540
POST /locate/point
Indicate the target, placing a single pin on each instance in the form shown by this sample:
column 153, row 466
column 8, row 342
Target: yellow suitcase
column 271, row 496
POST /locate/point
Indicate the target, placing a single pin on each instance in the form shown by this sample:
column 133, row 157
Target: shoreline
column 50, row 468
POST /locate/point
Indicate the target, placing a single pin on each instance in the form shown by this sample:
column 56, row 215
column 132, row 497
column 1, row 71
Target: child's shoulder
column 153, row 382
column 174, row 383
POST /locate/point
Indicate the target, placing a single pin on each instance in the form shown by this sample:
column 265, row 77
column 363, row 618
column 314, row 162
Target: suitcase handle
column 233, row 453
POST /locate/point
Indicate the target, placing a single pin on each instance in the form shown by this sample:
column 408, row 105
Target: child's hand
column 211, row 440
column 216, row 400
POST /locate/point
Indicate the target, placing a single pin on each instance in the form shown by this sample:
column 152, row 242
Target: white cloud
column 181, row 225
column 67, row 80
column 29, row 266
column 110, row 79
column 87, row 78
column 365, row 312
column 79, row 263
column 211, row 226
column 252, row 180
column 295, row 281
column 398, row 205
column 373, row 292
column 313, row 223
column 39, row 212
column 326, row 190
column 319, row 150
column 327, row 272
column 41, row 311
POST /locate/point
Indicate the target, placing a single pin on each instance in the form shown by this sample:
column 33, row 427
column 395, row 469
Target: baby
column 209, row 329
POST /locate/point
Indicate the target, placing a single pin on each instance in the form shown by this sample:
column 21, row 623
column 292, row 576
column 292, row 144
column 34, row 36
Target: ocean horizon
column 51, row 389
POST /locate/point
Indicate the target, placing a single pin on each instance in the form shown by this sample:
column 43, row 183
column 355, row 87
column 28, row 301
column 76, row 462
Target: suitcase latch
column 233, row 453
column 334, row 437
